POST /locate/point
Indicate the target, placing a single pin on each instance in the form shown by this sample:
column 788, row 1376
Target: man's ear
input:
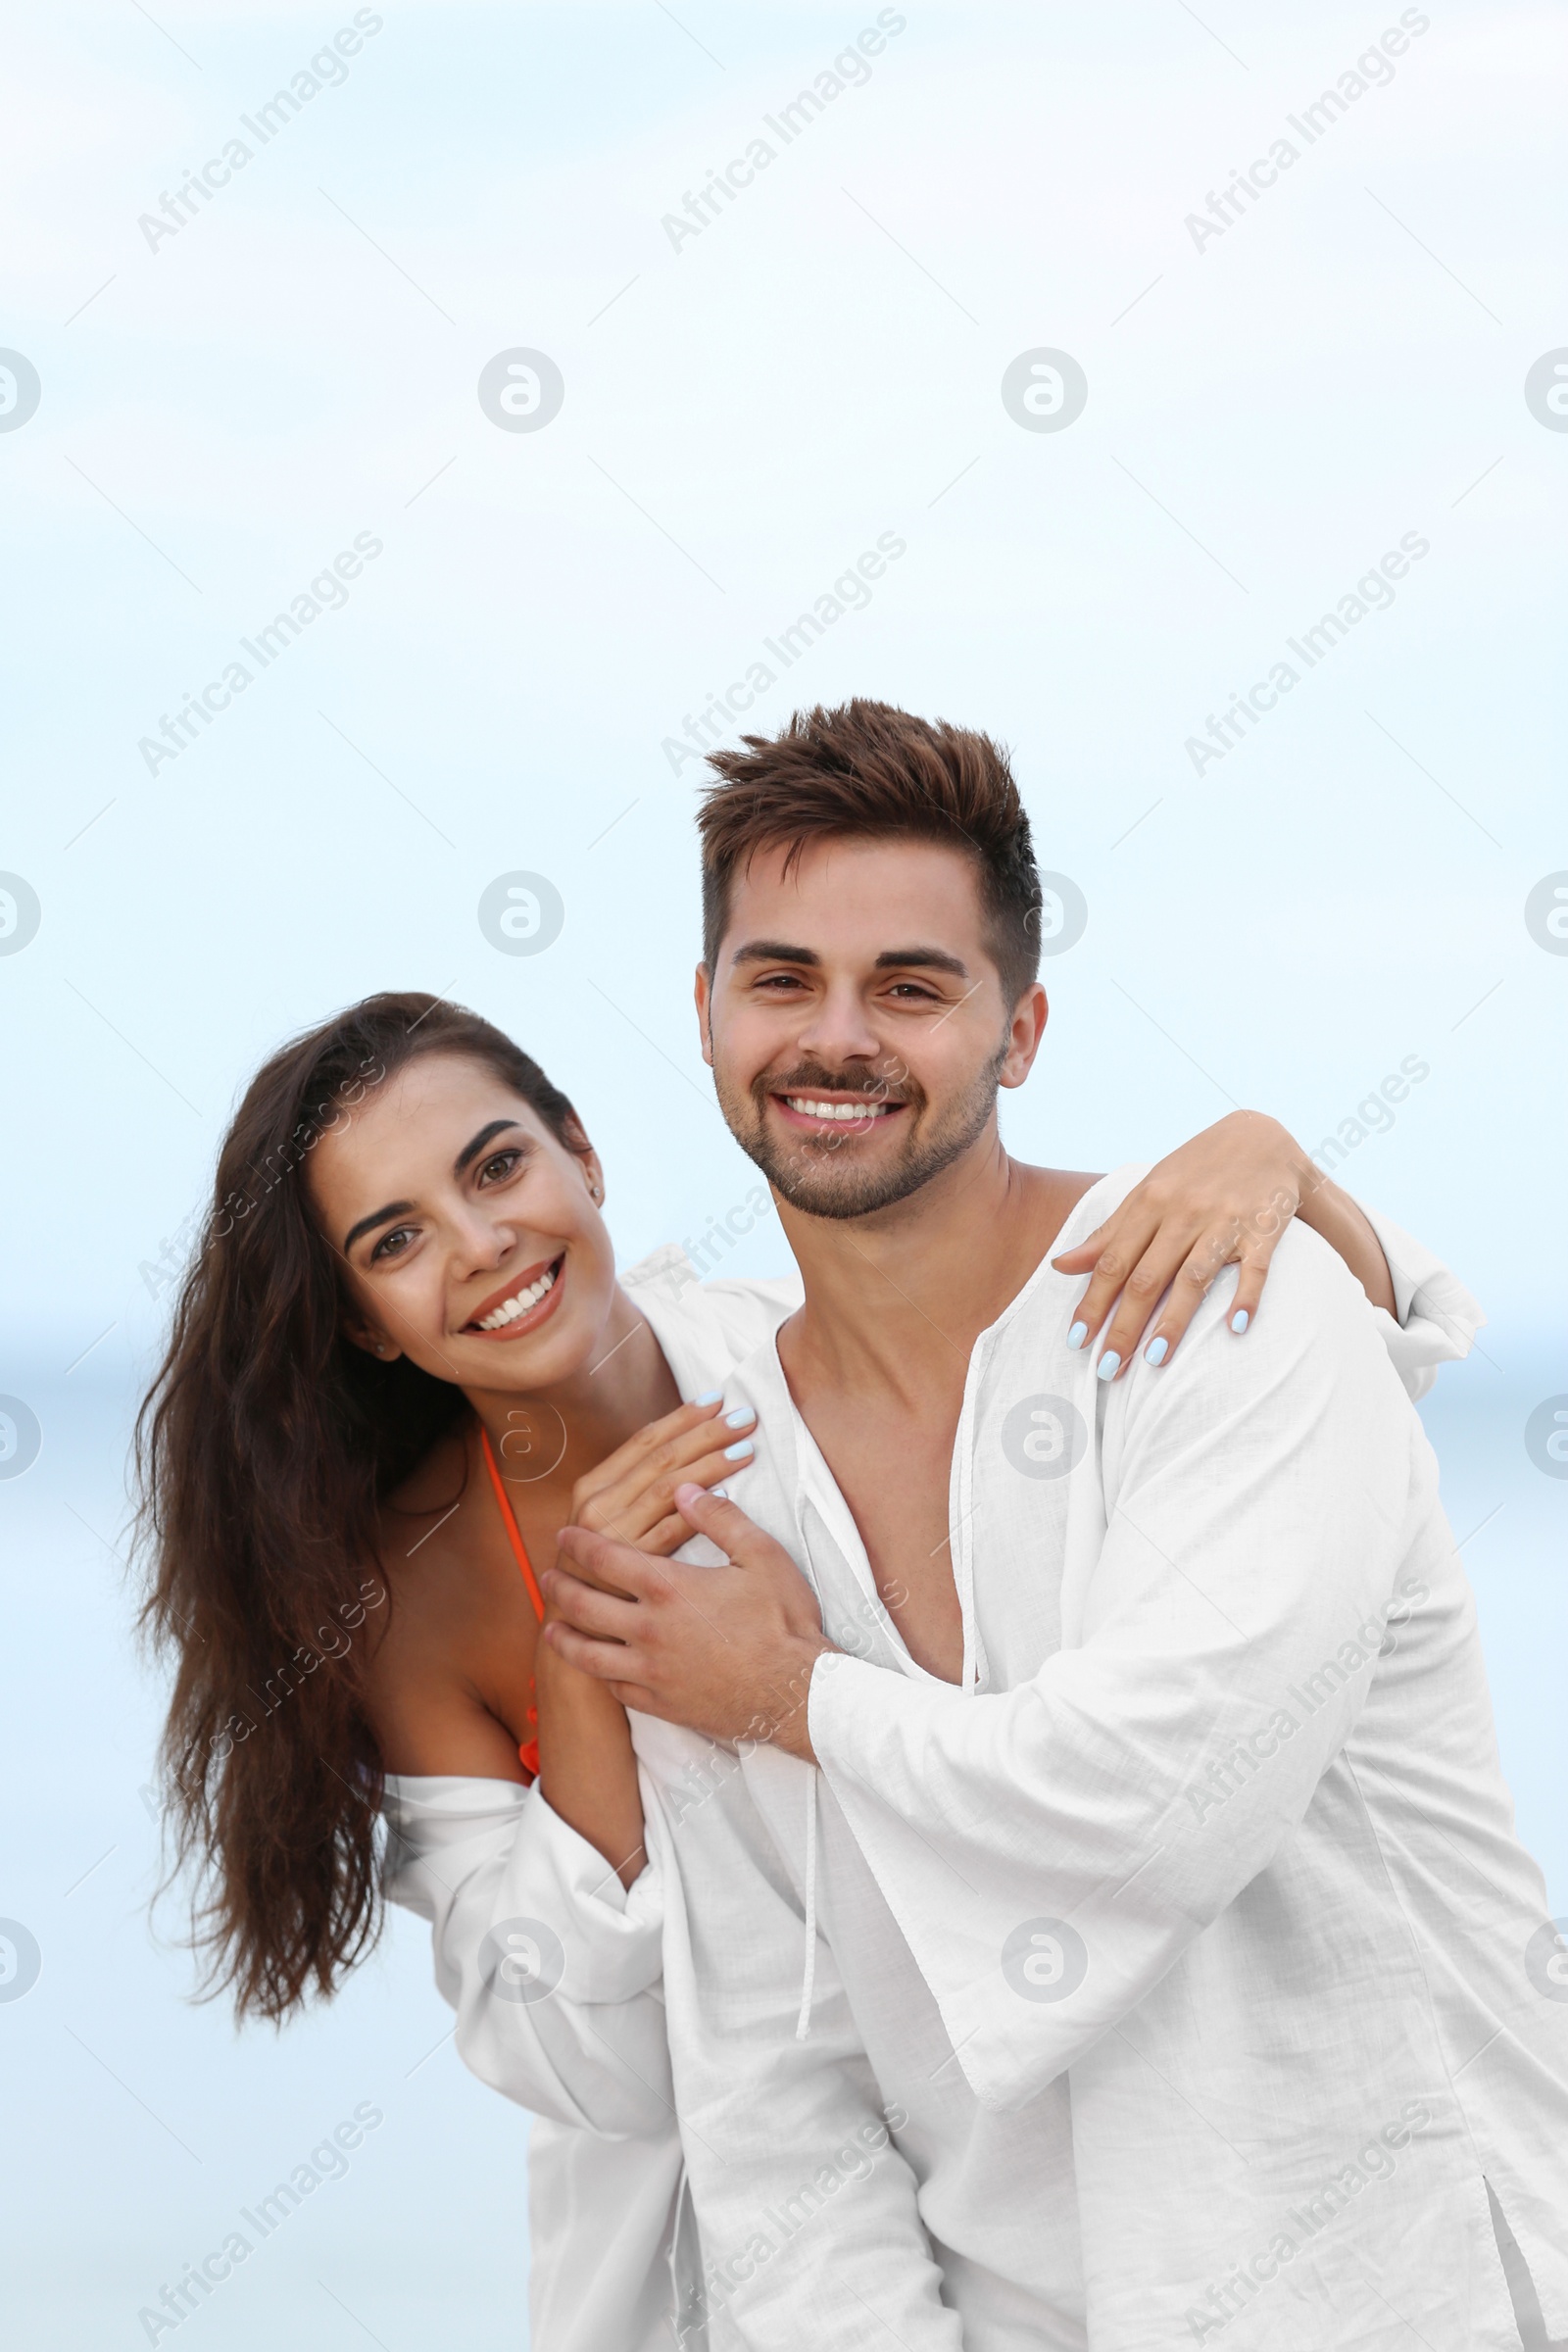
column 702, row 997
column 1025, row 1031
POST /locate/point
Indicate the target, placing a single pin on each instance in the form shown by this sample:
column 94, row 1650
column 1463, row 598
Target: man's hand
column 726, row 1650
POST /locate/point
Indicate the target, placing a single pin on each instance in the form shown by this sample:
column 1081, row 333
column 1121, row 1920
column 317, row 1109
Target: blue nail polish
column 709, row 1396
column 1156, row 1352
column 1109, row 1366
column 1078, row 1334
column 739, row 1417
column 740, row 1452
column 1241, row 1319
column 720, row 1493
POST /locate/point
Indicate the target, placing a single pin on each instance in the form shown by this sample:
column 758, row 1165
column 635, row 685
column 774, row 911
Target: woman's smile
column 528, row 1300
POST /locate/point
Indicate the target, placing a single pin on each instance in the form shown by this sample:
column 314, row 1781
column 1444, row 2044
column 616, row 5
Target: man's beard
column 819, row 1174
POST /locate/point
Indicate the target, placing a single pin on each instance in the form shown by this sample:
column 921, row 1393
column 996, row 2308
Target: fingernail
column 1109, row 1364
column 720, row 1493
column 1156, row 1352
column 1241, row 1319
column 739, row 1417
column 1078, row 1334
column 740, row 1452
column 709, row 1396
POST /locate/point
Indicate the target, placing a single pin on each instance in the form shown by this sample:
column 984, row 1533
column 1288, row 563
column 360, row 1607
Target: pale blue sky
column 745, row 410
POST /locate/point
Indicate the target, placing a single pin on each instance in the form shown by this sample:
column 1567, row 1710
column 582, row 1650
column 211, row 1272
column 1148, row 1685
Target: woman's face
column 471, row 1238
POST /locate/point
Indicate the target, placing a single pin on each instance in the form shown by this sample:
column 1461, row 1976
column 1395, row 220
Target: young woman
column 401, row 1362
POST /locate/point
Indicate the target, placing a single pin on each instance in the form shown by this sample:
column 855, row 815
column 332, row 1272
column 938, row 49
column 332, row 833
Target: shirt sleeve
column 808, row 2211
column 1435, row 1318
column 551, row 1966
column 1050, row 1852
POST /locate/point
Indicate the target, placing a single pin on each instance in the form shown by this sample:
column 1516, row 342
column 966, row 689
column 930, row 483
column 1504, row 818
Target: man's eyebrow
column 774, row 950
column 777, row 951
column 472, row 1150
column 934, row 960
column 379, row 1216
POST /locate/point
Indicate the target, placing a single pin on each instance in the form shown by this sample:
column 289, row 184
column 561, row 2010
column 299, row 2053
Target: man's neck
column 895, row 1300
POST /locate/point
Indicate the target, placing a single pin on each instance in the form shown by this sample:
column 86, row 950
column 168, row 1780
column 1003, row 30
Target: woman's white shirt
column 554, row 1968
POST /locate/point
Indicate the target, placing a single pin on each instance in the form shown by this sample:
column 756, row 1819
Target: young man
column 1123, row 1776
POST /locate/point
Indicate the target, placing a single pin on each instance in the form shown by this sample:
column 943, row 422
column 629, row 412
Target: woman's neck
column 551, row 1437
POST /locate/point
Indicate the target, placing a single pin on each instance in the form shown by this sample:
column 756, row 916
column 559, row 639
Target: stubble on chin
column 821, row 1177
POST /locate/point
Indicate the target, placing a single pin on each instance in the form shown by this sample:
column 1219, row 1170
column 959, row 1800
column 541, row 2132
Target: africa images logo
column 1045, row 1960
column 521, row 1960
column 522, row 390
column 522, row 914
column 1045, row 1436
column 20, row 390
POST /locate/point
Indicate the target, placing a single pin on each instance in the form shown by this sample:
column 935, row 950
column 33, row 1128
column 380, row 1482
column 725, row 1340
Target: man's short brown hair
column 870, row 771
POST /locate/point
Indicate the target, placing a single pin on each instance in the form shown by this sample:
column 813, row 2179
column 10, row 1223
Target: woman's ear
column 592, row 1175
column 373, row 1343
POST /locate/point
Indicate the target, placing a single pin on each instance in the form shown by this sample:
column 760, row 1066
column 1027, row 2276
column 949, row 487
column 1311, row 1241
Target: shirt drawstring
column 808, row 1978
column 688, row 2288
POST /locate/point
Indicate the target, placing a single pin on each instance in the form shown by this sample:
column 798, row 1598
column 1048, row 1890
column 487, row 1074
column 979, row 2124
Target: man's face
column 855, row 1022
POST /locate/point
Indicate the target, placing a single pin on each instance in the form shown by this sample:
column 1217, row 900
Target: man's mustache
column 814, row 1078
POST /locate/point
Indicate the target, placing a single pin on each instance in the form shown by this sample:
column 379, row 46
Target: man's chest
column 892, row 1470
column 971, row 1545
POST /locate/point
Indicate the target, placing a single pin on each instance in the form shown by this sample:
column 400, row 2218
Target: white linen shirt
column 1178, row 1976
column 554, row 1968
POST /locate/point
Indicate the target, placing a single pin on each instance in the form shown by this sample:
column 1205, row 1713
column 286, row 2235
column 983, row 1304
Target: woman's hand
column 632, row 1493
column 1222, row 1199
column 587, row 1770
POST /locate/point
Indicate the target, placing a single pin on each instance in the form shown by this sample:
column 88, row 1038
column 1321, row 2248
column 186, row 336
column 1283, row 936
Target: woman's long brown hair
column 265, row 1452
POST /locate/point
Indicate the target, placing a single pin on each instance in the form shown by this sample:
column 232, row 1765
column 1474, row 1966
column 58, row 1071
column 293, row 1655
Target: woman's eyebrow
column 472, row 1150
column 379, row 1216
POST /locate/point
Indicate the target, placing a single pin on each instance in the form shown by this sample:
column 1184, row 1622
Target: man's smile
column 818, row 1114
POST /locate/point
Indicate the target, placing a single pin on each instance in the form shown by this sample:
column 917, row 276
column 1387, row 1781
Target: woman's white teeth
column 511, row 1308
column 837, row 1110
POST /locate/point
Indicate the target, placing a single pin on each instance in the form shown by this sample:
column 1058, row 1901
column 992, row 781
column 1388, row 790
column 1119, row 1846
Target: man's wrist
column 784, row 1721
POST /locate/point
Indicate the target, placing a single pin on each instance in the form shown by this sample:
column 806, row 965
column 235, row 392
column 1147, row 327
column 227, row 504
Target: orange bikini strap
column 518, row 1546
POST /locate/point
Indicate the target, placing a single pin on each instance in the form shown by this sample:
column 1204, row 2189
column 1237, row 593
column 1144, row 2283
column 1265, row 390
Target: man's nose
column 839, row 1029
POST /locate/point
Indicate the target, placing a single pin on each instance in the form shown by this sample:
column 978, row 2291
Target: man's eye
column 393, row 1244
column 912, row 988
column 498, row 1169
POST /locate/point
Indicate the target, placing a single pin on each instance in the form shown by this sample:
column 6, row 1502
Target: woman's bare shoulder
column 444, row 1554
column 450, row 1669
column 436, row 1482
column 423, row 1538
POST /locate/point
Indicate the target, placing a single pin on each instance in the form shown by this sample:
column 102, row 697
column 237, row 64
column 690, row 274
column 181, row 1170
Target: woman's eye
column 393, row 1244
column 498, row 1169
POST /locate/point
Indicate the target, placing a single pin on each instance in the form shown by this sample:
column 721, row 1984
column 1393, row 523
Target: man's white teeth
column 837, row 1110
column 511, row 1308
